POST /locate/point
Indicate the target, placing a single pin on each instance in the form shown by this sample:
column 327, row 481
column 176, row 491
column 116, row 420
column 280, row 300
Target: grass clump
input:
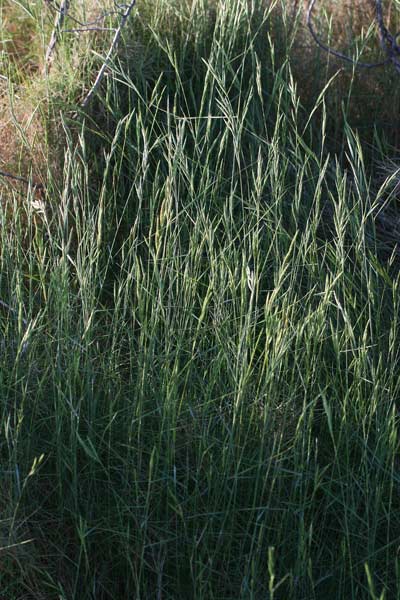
column 199, row 370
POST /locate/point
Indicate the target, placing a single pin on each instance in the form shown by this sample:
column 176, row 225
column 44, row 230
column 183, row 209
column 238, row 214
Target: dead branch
column 388, row 41
column 333, row 52
column 29, row 182
column 114, row 44
column 58, row 24
column 123, row 11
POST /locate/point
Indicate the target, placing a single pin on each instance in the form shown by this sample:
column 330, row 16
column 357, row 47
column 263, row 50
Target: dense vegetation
column 199, row 368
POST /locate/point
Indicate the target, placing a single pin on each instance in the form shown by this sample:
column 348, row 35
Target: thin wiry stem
column 110, row 52
column 89, row 24
column 85, row 29
column 388, row 41
column 35, row 186
column 119, row 10
column 58, row 23
column 122, row 10
column 335, row 52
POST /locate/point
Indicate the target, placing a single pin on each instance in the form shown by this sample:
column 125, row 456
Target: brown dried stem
column 114, row 44
column 58, row 24
column 330, row 50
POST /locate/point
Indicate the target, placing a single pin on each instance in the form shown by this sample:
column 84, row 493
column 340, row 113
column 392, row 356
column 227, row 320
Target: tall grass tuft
column 199, row 365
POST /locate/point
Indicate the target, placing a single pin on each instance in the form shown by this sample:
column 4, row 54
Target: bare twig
column 85, row 29
column 35, row 186
column 335, row 52
column 114, row 44
column 388, row 41
column 62, row 13
column 99, row 19
column 58, row 23
column 87, row 25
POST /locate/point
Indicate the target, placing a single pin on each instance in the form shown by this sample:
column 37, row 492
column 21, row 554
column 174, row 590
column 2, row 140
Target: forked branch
column 61, row 14
column 388, row 41
column 123, row 11
column 114, row 44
